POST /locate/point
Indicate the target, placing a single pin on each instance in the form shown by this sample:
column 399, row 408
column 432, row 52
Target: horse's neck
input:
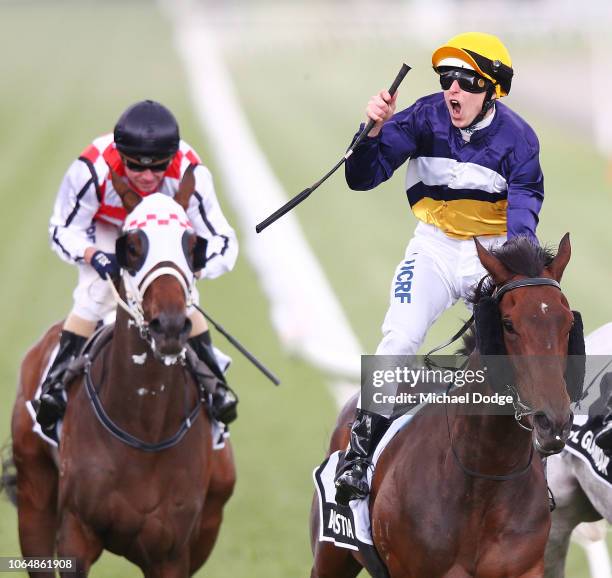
column 490, row 443
column 139, row 387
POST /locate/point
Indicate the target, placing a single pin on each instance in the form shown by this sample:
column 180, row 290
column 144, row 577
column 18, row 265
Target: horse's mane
column 522, row 256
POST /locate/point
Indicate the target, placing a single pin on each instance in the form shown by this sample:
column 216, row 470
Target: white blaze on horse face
column 544, row 310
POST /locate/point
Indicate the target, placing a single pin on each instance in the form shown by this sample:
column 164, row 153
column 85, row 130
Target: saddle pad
column 220, row 432
column 581, row 443
column 348, row 527
column 36, row 426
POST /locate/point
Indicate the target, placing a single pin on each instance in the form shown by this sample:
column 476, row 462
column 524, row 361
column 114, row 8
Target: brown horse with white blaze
column 459, row 495
column 135, row 472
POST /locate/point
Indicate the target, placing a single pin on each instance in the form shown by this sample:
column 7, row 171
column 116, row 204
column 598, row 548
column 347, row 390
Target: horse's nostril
column 155, row 325
column 542, row 421
column 186, row 328
column 170, row 326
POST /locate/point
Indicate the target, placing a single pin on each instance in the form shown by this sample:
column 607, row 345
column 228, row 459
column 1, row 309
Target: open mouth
column 455, row 107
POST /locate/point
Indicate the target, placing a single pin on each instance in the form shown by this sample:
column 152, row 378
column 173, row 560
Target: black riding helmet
column 147, row 131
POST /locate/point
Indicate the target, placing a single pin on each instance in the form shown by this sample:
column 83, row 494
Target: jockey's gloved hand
column 105, row 264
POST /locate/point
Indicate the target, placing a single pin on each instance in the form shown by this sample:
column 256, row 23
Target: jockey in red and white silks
column 88, row 211
column 146, row 153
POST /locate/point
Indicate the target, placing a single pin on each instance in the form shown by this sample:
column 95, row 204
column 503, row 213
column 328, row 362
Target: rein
column 475, row 474
column 133, row 305
column 121, row 434
column 521, row 409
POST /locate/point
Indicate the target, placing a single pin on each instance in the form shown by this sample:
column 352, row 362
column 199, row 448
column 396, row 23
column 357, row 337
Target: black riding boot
column 351, row 481
column 51, row 405
column 224, row 400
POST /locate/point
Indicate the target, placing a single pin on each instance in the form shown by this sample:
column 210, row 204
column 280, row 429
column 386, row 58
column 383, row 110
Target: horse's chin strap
column 132, row 305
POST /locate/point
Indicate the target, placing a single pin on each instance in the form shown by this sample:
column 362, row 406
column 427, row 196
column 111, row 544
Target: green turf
column 71, row 68
column 305, row 128
column 83, row 65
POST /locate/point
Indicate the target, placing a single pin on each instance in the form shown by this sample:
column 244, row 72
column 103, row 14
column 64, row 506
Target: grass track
column 83, row 65
column 72, row 68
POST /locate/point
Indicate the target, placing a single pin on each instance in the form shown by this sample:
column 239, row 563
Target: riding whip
column 295, row 201
column 240, row 347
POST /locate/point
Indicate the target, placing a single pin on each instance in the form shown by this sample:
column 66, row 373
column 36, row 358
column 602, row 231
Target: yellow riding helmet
column 485, row 53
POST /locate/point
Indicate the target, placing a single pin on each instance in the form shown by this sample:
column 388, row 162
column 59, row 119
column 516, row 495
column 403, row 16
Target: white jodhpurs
column 434, row 274
column 93, row 299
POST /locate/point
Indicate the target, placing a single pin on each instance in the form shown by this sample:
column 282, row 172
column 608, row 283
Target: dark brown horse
column 158, row 504
column 461, row 496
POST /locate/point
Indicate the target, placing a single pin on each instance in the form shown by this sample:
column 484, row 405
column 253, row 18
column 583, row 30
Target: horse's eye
column 132, row 249
column 508, row 325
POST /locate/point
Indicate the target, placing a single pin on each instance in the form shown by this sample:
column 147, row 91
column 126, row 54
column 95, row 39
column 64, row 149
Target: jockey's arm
column 376, row 158
column 525, row 195
column 209, row 222
column 70, row 228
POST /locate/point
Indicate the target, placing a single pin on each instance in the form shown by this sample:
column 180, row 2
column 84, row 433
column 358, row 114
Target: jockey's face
column 463, row 106
column 147, row 181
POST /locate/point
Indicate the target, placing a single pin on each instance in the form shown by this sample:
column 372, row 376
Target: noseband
column 134, row 296
column 521, row 409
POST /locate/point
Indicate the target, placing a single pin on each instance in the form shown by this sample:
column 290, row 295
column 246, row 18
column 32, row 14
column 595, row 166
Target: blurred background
column 270, row 94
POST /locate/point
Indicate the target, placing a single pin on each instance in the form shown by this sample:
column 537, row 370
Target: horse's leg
column 36, row 489
column 219, row 491
column 558, row 543
column 76, row 540
column 36, row 471
column 332, row 562
column 573, row 507
column 37, row 507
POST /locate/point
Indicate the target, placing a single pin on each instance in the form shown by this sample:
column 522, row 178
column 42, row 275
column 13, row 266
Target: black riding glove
column 105, row 264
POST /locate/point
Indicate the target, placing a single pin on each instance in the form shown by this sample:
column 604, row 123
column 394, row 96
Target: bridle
column 521, row 409
column 132, row 305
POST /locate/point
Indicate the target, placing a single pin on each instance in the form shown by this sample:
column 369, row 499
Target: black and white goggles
column 468, row 80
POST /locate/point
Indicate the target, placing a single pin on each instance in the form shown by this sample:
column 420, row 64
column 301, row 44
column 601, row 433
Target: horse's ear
column 186, row 188
column 492, row 264
column 194, row 248
column 129, row 197
column 559, row 263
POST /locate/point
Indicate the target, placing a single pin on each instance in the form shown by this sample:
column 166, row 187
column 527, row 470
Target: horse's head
column 524, row 314
column 159, row 254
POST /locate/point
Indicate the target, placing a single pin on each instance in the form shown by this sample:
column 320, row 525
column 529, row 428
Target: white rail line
column 304, row 310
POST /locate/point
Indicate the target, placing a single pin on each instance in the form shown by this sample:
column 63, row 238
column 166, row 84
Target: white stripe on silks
column 434, row 171
column 305, row 312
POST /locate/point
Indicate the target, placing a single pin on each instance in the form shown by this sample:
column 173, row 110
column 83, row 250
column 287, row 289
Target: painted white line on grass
column 304, row 310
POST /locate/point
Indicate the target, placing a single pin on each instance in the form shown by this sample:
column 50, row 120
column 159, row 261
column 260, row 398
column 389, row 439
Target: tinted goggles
column 468, row 81
column 157, row 166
